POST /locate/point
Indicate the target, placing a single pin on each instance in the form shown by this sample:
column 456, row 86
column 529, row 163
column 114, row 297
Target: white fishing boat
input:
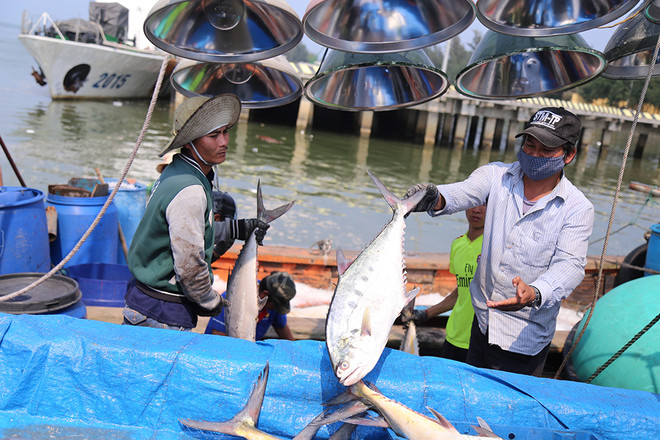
column 95, row 59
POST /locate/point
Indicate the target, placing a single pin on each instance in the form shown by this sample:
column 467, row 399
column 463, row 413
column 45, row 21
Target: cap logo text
column 546, row 118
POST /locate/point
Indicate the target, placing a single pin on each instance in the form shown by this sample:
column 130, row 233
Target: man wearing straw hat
column 170, row 255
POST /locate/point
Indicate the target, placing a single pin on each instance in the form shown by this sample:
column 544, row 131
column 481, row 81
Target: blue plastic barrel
column 101, row 284
column 74, row 217
column 653, row 250
column 24, row 245
column 131, row 202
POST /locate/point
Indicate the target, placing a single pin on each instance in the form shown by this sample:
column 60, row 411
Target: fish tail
column 268, row 215
column 406, row 204
column 251, row 411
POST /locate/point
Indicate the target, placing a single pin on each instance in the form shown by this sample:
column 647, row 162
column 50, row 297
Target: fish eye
column 343, row 365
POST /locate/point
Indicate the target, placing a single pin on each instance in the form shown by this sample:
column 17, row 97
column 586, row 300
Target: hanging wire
column 131, row 158
column 614, row 203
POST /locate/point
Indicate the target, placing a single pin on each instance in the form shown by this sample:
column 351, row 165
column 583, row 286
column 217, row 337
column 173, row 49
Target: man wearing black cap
column 535, row 243
column 280, row 289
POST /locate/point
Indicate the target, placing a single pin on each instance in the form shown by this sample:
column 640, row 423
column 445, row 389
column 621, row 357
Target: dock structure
column 457, row 120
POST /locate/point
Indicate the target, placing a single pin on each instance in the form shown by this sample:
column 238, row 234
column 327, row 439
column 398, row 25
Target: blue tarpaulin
column 69, row 376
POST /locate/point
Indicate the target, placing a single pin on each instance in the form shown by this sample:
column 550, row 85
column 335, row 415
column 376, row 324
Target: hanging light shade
column 223, row 30
column 385, row 26
column 629, row 51
column 652, row 11
column 259, row 84
column 357, row 82
column 549, row 17
column 507, row 67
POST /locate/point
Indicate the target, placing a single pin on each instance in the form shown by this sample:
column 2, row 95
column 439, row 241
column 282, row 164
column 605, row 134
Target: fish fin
column 309, row 431
column 366, row 323
column 251, row 410
column 262, row 302
column 342, row 262
column 411, row 295
column 228, row 427
column 346, row 411
column 344, row 432
column 253, row 405
column 484, row 430
column 378, row 421
column 407, row 311
column 372, row 386
column 390, row 198
column 441, row 419
column 344, row 397
column 268, row 215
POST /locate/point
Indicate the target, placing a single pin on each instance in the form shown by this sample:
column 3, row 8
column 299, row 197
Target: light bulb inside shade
column 224, row 14
column 238, row 73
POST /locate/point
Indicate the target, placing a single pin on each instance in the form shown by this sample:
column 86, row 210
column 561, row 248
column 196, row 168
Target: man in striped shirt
column 534, row 247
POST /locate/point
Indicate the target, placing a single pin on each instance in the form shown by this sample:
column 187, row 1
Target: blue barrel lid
column 55, row 293
column 12, row 196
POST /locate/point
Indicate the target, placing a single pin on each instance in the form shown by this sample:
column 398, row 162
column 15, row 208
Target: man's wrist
column 537, row 299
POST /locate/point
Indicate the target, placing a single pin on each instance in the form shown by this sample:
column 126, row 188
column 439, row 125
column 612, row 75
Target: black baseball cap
column 224, row 204
column 554, row 127
column 281, row 289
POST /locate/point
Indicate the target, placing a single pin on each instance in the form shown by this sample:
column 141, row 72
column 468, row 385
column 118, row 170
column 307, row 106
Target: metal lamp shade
column 202, row 31
column 629, row 51
column 507, row 67
column 261, row 84
column 549, row 17
column 385, row 26
column 652, row 11
column 357, row 82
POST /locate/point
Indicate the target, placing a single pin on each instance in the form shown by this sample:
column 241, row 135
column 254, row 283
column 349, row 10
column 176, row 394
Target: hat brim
column 544, row 136
column 217, row 112
column 282, row 308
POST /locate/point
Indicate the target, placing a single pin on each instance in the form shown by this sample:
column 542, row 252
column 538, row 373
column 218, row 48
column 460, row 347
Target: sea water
column 325, row 172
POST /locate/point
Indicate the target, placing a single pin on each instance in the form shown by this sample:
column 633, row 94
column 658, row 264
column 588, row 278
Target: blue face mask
column 539, row 168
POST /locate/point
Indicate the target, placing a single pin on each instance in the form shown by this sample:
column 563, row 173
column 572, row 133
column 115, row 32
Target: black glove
column 200, row 311
column 429, row 200
column 419, row 316
column 246, row 226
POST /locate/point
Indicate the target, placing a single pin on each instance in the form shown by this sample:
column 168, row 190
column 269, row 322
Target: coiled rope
column 609, row 230
column 147, row 121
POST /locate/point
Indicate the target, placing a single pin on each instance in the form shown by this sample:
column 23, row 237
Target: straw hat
column 198, row 116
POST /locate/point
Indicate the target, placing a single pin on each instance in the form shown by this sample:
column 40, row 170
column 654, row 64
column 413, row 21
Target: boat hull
column 75, row 70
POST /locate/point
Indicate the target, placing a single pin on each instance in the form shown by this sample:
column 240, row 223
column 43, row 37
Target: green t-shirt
column 463, row 261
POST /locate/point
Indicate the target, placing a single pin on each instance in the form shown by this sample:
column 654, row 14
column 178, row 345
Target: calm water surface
column 325, row 172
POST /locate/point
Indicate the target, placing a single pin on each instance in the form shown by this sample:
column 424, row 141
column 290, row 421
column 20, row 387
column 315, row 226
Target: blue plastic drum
column 74, row 216
column 653, row 250
column 24, row 245
column 131, row 202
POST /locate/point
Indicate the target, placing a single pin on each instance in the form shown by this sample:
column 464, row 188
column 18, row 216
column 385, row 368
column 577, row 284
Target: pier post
column 460, row 132
column 641, row 143
column 586, row 139
column 432, row 118
column 488, row 134
column 366, row 120
column 305, row 114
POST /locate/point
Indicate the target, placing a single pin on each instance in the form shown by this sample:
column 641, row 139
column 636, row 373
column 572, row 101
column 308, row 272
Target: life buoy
column 635, row 258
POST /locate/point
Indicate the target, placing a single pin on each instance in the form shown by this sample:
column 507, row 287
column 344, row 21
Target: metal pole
column 11, row 162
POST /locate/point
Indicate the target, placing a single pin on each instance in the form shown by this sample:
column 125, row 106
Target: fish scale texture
column 102, row 380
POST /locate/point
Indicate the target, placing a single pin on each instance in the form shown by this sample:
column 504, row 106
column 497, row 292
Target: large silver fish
column 370, row 294
column 405, row 421
column 242, row 290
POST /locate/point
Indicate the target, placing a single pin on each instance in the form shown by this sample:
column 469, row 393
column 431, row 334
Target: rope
column 614, row 203
column 624, row 348
column 633, row 222
column 82, row 240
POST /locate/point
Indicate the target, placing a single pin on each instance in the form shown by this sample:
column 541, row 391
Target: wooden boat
column 78, row 61
column 89, row 379
column 426, row 270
